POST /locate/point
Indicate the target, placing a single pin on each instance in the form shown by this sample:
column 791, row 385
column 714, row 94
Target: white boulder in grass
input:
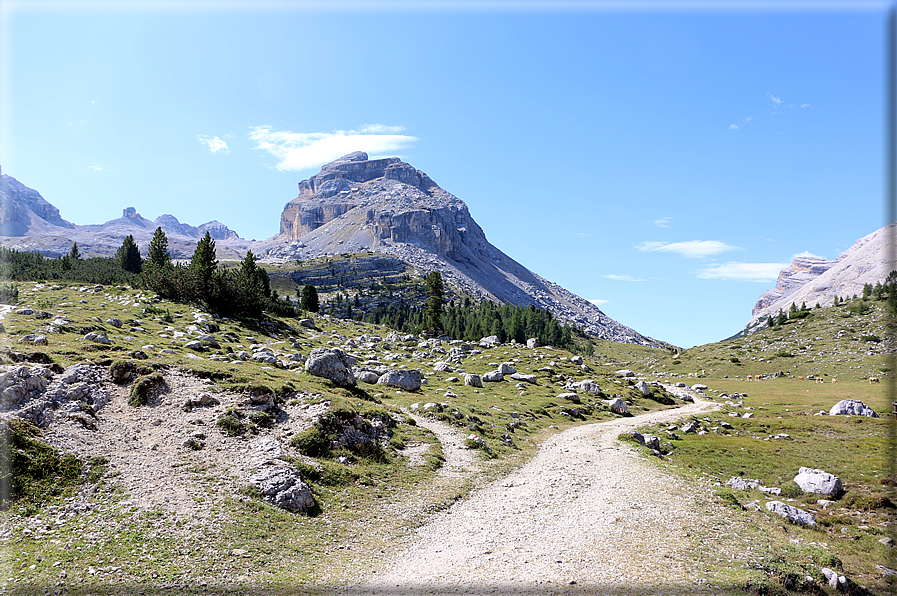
column 852, row 407
column 811, row 480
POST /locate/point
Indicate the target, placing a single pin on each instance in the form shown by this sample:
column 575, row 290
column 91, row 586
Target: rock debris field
column 588, row 514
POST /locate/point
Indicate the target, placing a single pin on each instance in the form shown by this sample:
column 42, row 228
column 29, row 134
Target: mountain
column 28, row 222
column 814, row 280
column 356, row 204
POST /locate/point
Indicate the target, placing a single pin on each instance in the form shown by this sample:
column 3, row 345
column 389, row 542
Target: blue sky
column 664, row 161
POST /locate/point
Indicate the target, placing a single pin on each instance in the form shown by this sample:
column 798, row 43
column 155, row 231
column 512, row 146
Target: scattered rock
column 473, row 380
column 852, row 407
column 333, row 364
column 99, row 338
column 644, row 388
column 618, row 406
column 518, row 376
column 408, row 380
column 570, row 397
column 281, row 486
column 812, row 480
column 794, row 514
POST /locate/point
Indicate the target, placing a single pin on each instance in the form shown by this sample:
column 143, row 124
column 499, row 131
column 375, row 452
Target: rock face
column 23, row 210
column 814, row 280
column 387, row 206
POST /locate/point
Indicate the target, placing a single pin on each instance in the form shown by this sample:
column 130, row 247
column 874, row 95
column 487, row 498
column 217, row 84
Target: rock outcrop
column 23, row 210
column 814, row 280
column 356, row 204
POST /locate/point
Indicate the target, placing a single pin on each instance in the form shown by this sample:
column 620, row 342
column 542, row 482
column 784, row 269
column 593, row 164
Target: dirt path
column 586, row 514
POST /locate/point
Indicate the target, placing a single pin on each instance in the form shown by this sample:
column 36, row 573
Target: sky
column 664, row 160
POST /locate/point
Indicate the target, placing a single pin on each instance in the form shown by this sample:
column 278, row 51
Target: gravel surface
column 587, row 514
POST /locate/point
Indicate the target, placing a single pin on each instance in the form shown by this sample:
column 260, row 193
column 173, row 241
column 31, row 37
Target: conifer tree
column 75, row 253
column 203, row 266
column 433, row 309
column 158, row 254
column 128, row 255
column 310, row 299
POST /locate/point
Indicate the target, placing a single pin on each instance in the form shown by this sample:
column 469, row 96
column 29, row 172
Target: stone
column 194, row 345
column 570, row 397
column 308, row 324
column 644, row 388
column 699, row 387
column 811, row 480
column 852, row 407
column 618, row 406
column 203, row 400
column 442, row 367
column 473, row 380
column 589, row 386
column 489, row 342
column 690, row 427
column 793, row 514
column 739, row 483
column 532, row 343
column 625, row 372
column 35, row 339
column 333, row 364
column 282, row 486
column 577, row 360
column 688, row 397
column 114, row 322
column 407, row 380
column 99, row 338
column 506, row 368
column 366, row 376
column 518, row 376
column 493, row 376
column 210, row 340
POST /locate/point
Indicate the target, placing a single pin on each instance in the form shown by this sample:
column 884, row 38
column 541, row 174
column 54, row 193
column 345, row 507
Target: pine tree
column 128, row 255
column 433, row 309
column 158, row 254
column 203, row 266
column 310, row 299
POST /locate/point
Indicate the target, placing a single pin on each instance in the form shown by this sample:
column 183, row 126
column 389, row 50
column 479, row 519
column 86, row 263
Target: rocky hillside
column 28, row 222
column 386, row 205
column 814, row 280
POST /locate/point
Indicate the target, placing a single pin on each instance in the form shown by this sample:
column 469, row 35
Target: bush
column 9, row 294
column 311, row 442
column 260, row 418
column 230, row 424
column 142, row 388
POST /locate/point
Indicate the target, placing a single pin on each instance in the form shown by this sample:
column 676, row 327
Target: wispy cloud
column 775, row 99
column 586, row 234
column 304, row 150
column 597, row 301
column 764, row 272
column 623, row 277
column 663, row 222
column 733, row 127
column 94, row 167
column 691, row 249
column 805, row 105
column 214, row 144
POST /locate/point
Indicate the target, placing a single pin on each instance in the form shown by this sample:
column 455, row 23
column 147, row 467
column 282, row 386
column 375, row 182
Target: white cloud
column 214, row 143
column 733, row 127
column 775, row 99
column 586, row 234
column 744, row 271
column 805, row 105
column 95, row 167
column 624, row 277
column 691, row 249
column 663, row 222
column 301, row 151
column 748, row 119
column 597, row 301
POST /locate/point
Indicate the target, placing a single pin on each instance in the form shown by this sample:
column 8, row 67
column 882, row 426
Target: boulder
column 570, row 397
column 699, row 387
column 589, row 386
column 524, row 377
column 407, row 380
column 99, row 338
column 442, row 367
column 493, row 376
column 739, row 483
column 532, row 343
column 618, row 406
column 35, row 339
column 625, row 372
column 489, row 342
column 114, row 322
column 473, row 380
column 308, row 324
column 282, row 486
column 798, row 516
column 577, row 360
column 690, row 427
column 194, row 345
column 811, row 480
column 644, row 388
column 367, row 376
column 333, row 364
column 852, row 407
column 506, row 368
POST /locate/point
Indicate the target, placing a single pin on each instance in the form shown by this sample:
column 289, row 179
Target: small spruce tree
column 128, row 255
column 158, row 254
column 74, row 253
column 310, row 299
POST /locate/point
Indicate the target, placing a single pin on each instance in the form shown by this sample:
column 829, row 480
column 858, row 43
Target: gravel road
column 588, row 514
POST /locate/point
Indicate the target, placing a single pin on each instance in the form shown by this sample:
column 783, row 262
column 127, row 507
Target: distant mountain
column 29, row 222
column 814, row 280
column 356, row 204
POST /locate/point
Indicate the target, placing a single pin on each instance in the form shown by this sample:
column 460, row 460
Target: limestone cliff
column 814, row 280
column 385, row 205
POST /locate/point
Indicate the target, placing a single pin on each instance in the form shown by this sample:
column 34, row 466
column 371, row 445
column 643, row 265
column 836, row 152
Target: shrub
column 311, row 442
column 142, row 388
column 260, row 418
column 230, row 424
